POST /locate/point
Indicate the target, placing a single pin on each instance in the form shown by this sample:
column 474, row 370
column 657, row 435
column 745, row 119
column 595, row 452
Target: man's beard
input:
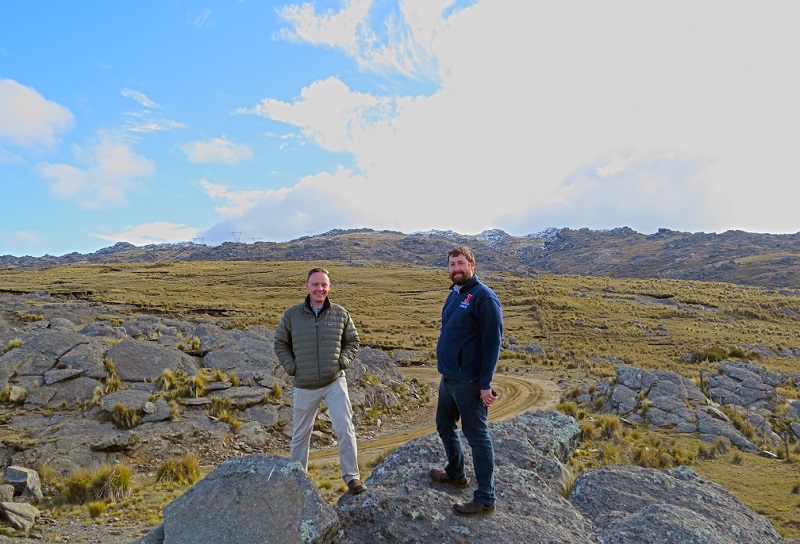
column 462, row 279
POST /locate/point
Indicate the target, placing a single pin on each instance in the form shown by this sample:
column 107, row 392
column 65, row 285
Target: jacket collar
column 325, row 305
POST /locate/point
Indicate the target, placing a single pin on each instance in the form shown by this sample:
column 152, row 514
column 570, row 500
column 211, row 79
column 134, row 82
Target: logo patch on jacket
column 329, row 324
column 465, row 302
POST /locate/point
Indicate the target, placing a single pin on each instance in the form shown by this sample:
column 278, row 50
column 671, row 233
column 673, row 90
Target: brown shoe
column 439, row 476
column 472, row 508
column 356, row 487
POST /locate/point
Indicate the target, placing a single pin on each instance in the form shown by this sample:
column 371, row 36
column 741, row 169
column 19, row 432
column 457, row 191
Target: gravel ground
column 106, row 531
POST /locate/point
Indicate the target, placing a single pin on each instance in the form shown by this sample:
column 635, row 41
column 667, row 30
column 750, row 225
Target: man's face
column 460, row 269
column 318, row 287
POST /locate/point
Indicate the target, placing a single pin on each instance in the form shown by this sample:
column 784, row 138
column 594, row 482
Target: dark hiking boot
column 356, row 487
column 439, row 476
column 472, row 508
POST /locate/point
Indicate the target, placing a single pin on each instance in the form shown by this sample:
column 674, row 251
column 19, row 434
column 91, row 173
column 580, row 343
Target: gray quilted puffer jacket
column 316, row 349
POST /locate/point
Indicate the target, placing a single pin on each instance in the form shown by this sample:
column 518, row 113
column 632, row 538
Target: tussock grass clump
column 712, row 451
column 223, row 410
column 610, row 427
column 178, row 384
column 107, row 483
column 567, row 484
column 112, row 381
column 370, row 379
column 168, row 380
column 124, row 417
column 652, row 458
column 739, row 420
column 96, row 508
column 184, row 470
column 13, row 343
column 192, row 348
column 275, row 395
column 571, row 409
column 218, row 406
column 48, row 475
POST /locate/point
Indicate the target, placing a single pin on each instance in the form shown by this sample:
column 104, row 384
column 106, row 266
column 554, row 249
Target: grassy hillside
column 576, row 320
column 585, row 325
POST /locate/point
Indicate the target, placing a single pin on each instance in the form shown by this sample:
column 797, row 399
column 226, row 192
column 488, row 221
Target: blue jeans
column 462, row 400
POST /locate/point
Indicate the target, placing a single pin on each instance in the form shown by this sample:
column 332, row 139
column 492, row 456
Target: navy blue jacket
column 472, row 331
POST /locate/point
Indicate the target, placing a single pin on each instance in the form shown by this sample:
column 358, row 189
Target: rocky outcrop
column 80, row 392
column 666, row 400
column 269, row 499
column 631, row 505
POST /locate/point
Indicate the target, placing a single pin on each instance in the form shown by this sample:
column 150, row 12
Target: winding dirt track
column 515, row 396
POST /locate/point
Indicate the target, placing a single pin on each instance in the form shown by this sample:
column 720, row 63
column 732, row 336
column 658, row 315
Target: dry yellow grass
column 580, row 322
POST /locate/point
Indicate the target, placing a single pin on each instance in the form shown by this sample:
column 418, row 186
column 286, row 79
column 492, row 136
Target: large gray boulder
column 26, row 483
column 404, row 506
column 19, row 515
column 138, row 361
column 630, row 504
column 261, row 498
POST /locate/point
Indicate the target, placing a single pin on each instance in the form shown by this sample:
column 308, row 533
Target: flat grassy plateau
column 579, row 322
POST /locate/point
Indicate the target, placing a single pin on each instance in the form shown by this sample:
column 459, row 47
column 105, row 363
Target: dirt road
column 515, row 396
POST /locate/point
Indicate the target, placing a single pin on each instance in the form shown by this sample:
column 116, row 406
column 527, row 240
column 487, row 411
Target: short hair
column 315, row 270
column 462, row 250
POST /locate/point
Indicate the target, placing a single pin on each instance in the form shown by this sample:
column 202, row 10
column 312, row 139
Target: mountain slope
column 768, row 260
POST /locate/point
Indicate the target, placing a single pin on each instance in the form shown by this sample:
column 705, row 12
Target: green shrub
column 713, row 355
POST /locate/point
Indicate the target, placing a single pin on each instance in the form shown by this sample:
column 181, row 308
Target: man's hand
column 488, row 397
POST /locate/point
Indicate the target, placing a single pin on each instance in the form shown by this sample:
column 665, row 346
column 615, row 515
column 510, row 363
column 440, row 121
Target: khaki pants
column 304, row 411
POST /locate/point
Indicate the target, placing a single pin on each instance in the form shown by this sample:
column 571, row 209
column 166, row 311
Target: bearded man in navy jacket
column 467, row 354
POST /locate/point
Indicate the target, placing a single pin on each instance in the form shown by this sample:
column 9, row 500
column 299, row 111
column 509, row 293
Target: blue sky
column 165, row 121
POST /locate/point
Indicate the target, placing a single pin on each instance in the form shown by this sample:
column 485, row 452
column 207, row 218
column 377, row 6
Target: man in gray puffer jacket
column 315, row 342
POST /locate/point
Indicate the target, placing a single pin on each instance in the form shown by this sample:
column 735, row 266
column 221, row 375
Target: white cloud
column 27, row 119
column 334, row 29
column 647, row 191
column 150, row 124
column 159, row 232
column 236, row 202
column 109, row 170
column 630, row 114
column 314, row 205
column 146, row 121
column 140, row 97
column 333, row 116
column 398, row 43
column 216, row 150
column 201, row 20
